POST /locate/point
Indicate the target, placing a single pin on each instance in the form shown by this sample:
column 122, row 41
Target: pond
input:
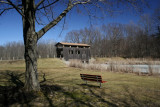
column 141, row 68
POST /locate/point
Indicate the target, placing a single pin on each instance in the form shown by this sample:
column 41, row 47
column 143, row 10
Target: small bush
column 75, row 63
column 91, row 66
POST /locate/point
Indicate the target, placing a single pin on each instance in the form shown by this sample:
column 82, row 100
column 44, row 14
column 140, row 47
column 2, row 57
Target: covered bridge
column 73, row 51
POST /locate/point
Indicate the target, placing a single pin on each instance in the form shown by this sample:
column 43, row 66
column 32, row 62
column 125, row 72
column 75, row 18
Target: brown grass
column 132, row 61
column 113, row 67
column 63, row 87
column 76, row 63
column 90, row 66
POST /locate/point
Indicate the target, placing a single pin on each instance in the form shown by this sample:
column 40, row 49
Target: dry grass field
column 61, row 86
column 120, row 60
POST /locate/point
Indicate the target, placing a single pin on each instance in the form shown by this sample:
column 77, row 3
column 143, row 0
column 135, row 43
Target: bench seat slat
column 92, row 77
column 85, row 75
column 89, row 75
column 96, row 78
column 93, row 80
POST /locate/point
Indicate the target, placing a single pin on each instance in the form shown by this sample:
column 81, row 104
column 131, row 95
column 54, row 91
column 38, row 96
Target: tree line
column 15, row 50
column 114, row 39
column 111, row 40
column 123, row 40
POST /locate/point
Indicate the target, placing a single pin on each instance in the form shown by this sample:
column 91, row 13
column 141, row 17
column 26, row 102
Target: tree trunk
column 31, row 75
column 30, row 43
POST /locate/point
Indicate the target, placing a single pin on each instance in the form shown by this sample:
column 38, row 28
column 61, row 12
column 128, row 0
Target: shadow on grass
column 48, row 91
column 91, row 89
column 69, row 97
column 89, row 86
column 12, row 94
column 102, row 99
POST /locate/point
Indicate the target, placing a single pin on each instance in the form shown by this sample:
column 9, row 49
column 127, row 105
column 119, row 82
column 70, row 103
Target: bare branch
column 82, row 2
column 41, row 32
column 63, row 26
column 47, row 5
column 40, row 23
column 51, row 11
column 89, row 14
column 4, row 2
column 54, row 22
column 39, row 4
column 2, row 12
column 45, row 12
column 5, row 10
column 16, row 8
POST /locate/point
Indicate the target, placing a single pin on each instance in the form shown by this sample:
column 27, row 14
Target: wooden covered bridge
column 73, row 51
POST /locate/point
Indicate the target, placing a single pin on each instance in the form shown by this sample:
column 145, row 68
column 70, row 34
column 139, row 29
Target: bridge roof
column 73, row 44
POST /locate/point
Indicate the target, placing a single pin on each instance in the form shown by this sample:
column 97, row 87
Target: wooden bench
column 94, row 78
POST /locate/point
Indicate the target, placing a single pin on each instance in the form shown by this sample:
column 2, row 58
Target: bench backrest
column 89, row 77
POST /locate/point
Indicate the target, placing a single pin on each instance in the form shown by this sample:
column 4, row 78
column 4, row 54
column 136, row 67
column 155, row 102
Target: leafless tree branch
column 40, row 23
column 5, row 2
column 39, row 4
column 82, row 2
column 3, row 10
column 54, row 22
column 63, row 26
column 51, row 11
column 46, row 13
column 47, row 5
column 15, row 8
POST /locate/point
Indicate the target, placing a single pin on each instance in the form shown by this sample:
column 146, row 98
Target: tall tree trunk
column 30, row 42
column 31, row 75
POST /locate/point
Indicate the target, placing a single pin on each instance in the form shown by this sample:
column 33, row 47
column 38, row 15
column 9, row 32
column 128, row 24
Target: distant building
column 73, row 51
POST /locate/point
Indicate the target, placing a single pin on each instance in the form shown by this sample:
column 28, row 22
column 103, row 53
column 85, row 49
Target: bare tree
column 46, row 48
column 156, row 36
column 29, row 9
column 115, row 34
column 73, row 36
column 15, row 50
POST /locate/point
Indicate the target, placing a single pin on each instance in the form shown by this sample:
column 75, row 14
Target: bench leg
column 100, row 85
